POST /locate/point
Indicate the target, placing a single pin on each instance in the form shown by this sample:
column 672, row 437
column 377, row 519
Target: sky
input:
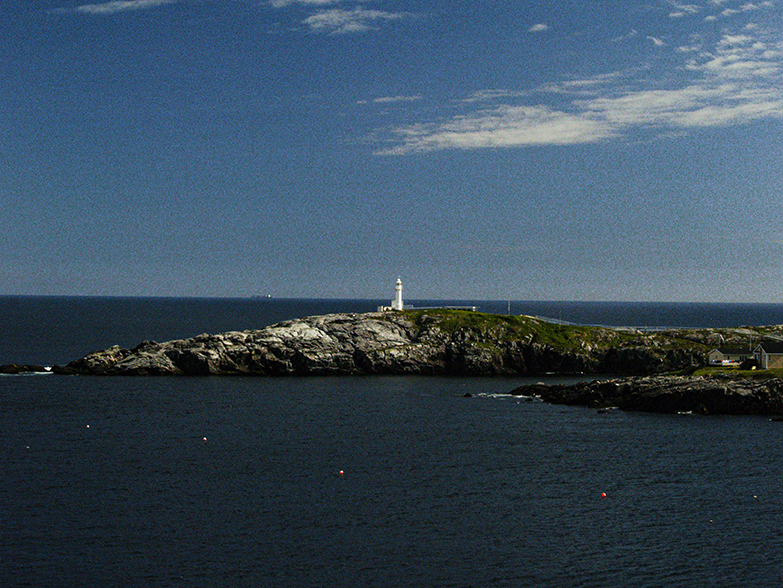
column 478, row 150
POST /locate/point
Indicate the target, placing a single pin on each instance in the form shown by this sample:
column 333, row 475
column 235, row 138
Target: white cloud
column 391, row 99
column 538, row 28
column 284, row 3
column 740, row 57
column 506, row 126
column 683, row 10
column 747, row 7
column 337, row 21
column 761, row 5
column 689, row 107
column 581, row 87
column 655, row 41
column 735, row 82
column 121, row 5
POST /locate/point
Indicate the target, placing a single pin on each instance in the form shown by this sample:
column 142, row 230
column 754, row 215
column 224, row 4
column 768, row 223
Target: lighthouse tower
column 397, row 302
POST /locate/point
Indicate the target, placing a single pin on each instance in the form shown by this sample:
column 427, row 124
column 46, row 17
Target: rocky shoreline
column 668, row 394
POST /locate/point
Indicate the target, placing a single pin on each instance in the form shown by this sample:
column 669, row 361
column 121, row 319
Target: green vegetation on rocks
column 506, row 328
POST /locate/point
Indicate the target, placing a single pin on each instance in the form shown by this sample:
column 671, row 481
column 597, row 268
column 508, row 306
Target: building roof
column 733, row 350
column 773, row 348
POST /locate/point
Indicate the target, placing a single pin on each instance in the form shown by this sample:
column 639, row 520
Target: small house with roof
column 729, row 355
column 769, row 355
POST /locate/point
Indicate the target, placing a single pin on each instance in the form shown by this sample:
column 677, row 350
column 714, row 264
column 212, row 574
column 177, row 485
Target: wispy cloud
column 391, row 99
column 736, row 81
column 340, row 20
column 743, row 8
column 681, row 10
column 538, row 28
column 505, row 126
column 633, row 33
column 715, row 8
column 337, row 21
column 284, row 3
column 121, row 6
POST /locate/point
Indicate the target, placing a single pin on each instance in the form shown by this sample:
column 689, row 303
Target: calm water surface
column 236, row 482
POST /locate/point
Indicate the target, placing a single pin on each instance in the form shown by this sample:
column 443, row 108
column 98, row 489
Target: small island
column 662, row 371
column 420, row 341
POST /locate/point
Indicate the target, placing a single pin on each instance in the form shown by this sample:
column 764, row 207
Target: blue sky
column 322, row 148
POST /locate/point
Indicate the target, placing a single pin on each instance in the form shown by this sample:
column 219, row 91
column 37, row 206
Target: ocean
column 364, row 481
column 49, row 330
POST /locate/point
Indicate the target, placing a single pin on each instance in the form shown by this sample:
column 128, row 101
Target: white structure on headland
column 396, row 304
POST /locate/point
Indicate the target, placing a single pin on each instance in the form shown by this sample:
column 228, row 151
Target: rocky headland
column 430, row 342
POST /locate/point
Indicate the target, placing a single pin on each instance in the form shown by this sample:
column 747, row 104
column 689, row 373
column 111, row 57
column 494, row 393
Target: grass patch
column 737, row 373
column 501, row 328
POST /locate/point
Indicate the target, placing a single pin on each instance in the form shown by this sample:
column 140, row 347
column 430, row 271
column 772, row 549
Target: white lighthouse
column 397, row 302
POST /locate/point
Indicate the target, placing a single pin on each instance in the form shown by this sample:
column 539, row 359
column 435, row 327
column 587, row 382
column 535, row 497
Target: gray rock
column 422, row 342
column 328, row 344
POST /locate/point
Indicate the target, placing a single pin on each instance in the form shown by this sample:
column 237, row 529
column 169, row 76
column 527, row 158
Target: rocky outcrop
column 338, row 344
column 422, row 342
column 16, row 369
column 669, row 394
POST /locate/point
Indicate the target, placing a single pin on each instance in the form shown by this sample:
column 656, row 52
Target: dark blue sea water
column 369, row 481
column 50, row 330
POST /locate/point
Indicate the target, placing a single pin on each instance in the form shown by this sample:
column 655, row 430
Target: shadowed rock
column 669, row 394
column 16, row 368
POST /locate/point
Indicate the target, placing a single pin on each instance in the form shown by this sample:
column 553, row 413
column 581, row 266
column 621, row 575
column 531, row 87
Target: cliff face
column 421, row 342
